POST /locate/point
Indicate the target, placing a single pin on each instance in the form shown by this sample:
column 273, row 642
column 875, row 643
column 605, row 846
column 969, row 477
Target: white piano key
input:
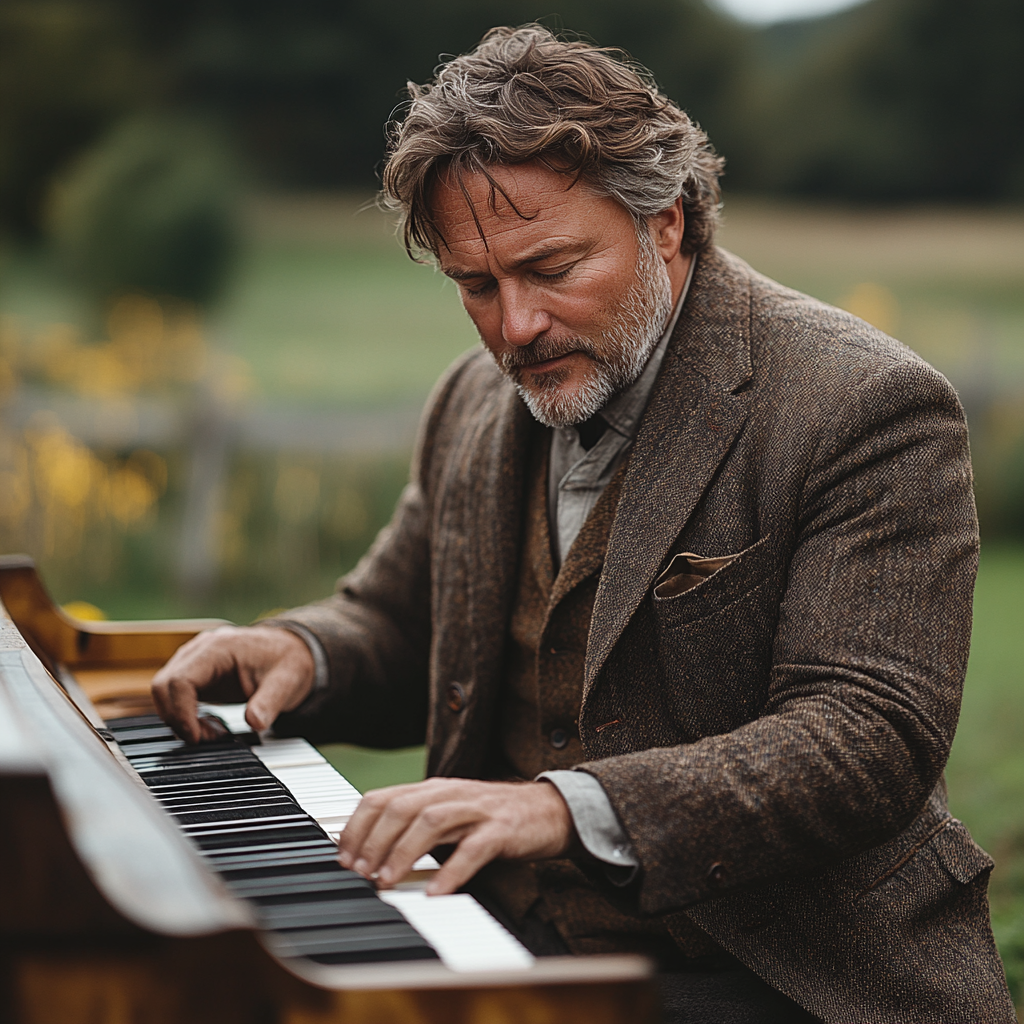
column 288, row 753
column 465, row 936
column 232, row 715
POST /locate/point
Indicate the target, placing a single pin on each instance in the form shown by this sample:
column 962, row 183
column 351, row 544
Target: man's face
column 567, row 298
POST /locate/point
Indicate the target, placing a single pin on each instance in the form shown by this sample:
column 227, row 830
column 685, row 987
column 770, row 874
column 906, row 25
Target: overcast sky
column 765, row 11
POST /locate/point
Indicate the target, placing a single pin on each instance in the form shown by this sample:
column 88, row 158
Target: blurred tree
column 893, row 100
column 148, row 209
column 66, row 69
column 310, row 83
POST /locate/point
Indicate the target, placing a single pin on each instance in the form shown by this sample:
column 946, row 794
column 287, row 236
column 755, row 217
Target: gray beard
column 627, row 346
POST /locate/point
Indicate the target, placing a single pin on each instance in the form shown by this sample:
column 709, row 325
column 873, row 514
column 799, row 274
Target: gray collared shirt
column 576, row 479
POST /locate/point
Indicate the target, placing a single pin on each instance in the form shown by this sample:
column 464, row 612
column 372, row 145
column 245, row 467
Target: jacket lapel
column 692, row 419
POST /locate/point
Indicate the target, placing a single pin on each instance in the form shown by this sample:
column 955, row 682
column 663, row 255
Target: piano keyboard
column 266, row 818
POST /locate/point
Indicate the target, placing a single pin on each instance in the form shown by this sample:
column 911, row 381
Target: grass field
column 326, row 308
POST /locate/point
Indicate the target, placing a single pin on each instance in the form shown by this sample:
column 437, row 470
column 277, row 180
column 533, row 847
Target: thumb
column 281, row 689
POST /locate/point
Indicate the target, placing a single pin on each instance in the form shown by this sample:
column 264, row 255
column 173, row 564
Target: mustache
column 540, row 350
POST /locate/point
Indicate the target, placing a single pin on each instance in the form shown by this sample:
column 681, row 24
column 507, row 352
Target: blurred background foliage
column 213, row 352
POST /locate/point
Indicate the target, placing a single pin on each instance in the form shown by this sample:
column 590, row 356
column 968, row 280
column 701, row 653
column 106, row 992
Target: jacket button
column 717, row 873
column 455, row 697
column 559, row 738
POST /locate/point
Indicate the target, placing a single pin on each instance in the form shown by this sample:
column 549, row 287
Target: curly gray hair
column 586, row 111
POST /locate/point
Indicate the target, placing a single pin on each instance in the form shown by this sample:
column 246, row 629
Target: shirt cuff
column 316, row 649
column 597, row 824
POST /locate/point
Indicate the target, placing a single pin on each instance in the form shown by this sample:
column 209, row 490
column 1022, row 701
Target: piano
column 146, row 882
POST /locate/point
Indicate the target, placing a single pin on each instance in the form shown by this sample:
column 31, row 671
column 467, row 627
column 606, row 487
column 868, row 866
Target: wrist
column 556, row 812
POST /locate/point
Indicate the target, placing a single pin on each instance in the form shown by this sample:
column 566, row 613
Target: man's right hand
column 270, row 668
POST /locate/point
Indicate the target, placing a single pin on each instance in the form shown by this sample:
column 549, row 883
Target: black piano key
column 256, row 837
column 261, row 828
column 190, row 755
column 169, row 774
column 259, row 798
column 252, row 842
column 133, row 722
column 240, row 809
column 134, row 750
column 172, row 792
column 283, row 811
column 184, row 749
column 140, row 733
column 303, row 888
column 349, row 942
column 339, row 913
column 253, row 854
column 229, row 789
column 249, row 825
column 205, row 758
column 376, row 954
column 325, row 853
column 275, row 865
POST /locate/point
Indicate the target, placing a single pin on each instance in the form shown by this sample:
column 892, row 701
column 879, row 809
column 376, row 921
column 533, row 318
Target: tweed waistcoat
column 539, row 724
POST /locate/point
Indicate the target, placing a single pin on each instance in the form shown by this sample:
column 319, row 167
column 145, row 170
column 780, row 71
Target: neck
column 678, row 268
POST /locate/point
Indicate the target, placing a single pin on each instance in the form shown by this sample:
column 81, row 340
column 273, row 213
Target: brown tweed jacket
column 782, row 726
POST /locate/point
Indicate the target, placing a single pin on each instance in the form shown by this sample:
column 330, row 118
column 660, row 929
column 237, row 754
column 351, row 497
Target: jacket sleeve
column 376, row 628
column 868, row 662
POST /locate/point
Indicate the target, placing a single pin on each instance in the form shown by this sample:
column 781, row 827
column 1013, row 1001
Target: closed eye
column 482, row 289
column 553, row 277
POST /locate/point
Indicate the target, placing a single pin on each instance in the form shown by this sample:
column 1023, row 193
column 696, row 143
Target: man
column 679, row 593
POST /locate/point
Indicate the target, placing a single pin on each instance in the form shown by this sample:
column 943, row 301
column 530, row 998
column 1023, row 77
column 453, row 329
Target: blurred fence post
column 211, row 439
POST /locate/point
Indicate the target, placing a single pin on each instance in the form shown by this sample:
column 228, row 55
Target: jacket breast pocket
column 942, row 860
column 714, row 642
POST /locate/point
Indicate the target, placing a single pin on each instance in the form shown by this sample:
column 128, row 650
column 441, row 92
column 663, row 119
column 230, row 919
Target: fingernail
column 361, row 866
column 384, row 875
column 345, row 859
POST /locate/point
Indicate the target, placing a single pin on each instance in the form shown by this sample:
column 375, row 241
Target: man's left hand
column 392, row 828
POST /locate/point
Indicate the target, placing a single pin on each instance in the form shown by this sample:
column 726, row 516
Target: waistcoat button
column 455, row 697
column 559, row 738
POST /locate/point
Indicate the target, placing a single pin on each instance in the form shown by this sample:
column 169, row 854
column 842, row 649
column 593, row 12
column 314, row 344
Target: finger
column 178, row 706
column 213, row 729
column 478, row 848
column 434, row 825
column 175, row 686
column 397, row 813
column 367, row 812
column 283, row 687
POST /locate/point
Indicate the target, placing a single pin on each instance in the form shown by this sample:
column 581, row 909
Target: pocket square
column 686, row 570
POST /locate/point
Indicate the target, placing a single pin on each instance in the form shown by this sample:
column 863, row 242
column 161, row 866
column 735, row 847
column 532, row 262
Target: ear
column 666, row 230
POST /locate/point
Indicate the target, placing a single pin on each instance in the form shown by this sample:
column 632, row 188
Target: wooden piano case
column 107, row 914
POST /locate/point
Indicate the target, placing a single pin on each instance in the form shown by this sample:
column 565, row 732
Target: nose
column 523, row 317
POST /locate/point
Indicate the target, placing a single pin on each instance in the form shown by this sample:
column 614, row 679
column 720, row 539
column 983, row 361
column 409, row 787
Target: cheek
column 487, row 323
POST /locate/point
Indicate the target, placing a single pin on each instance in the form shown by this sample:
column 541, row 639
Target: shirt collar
column 623, row 412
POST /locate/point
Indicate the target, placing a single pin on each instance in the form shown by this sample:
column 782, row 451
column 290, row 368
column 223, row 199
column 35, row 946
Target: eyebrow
column 458, row 274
